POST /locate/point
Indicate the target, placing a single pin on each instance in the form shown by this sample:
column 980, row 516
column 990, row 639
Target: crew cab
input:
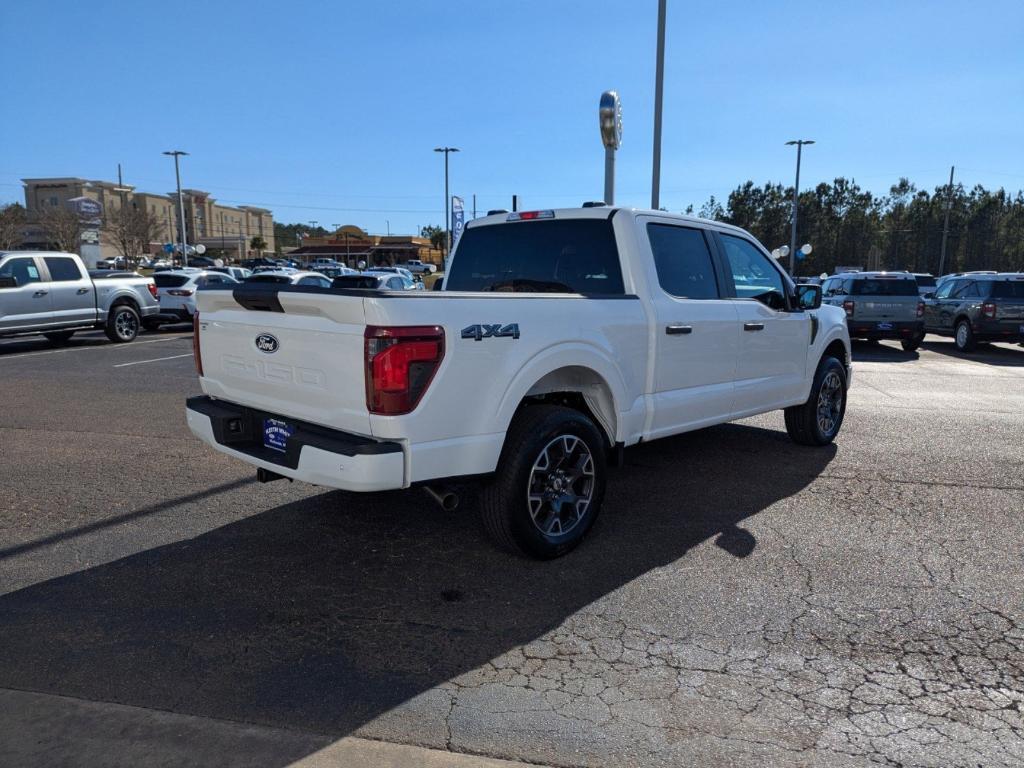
column 558, row 339
column 52, row 293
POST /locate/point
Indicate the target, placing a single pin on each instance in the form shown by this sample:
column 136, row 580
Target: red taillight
column 400, row 363
column 152, row 289
column 988, row 309
column 920, row 309
column 196, row 351
column 180, row 293
column 848, row 306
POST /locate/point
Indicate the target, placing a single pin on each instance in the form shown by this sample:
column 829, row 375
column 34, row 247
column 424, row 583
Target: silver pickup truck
column 51, row 293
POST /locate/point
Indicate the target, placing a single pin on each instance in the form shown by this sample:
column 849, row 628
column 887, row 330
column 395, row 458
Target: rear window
column 169, row 281
column 355, row 281
column 263, row 278
column 1007, row 289
column 925, row 281
column 884, row 287
column 551, row 256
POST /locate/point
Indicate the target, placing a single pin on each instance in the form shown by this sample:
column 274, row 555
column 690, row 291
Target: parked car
column 977, row 307
column 878, row 305
column 239, row 273
column 377, row 281
column 177, row 289
column 258, row 262
column 925, row 282
column 51, row 293
column 397, row 270
column 418, row 267
column 333, row 272
column 290, row 277
column 559, row 338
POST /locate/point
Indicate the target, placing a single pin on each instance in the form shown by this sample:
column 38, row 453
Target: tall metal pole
column 659, row 80
column 945, row 223
column 447, row 215
column 176, row 153
column 796, row 198
column 609, row 176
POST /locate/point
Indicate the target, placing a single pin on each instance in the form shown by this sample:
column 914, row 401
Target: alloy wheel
column 830, row 403
column 561, row 485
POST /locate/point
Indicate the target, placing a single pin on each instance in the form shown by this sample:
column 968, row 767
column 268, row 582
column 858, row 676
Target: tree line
column 850, row 226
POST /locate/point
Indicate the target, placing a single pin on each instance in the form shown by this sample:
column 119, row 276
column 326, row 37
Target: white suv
column 176, row 291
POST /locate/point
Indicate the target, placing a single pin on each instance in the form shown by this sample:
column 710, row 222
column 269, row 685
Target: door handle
column 678, row 330
column 80, row 291
column 753, row 326
column 37, row 294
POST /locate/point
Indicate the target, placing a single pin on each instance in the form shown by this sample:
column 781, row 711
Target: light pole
column 796, row 192
column 447, row 222
column 609, row 118
column 176, row 153
column 659, row 82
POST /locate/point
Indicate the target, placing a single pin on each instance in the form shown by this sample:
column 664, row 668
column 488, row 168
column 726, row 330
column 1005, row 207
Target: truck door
column 26, row 304
column 72, row 296
column 696, row 332
column 772, row 361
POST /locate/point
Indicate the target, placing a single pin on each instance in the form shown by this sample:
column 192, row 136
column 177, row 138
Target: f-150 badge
column 486, row 331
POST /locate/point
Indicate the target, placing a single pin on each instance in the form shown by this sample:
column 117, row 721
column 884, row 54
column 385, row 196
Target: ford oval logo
column 267, row 343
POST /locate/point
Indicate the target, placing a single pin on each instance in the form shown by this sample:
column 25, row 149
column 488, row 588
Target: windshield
column 551, row 256
column 884, row 287
column 1007, row 289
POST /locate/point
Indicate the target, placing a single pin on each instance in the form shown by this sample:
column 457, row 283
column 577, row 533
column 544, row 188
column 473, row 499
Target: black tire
column 911, row 345
column 964, row 339
column 545, row 433
column 802, row 421
column 59, row 337
column 122, row 324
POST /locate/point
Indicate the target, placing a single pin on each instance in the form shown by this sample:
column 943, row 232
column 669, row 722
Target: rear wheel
column 122, row 324
column 964, row 336
column 817, row 421
column 550, row 483
column 909, row 345
column 59, row 337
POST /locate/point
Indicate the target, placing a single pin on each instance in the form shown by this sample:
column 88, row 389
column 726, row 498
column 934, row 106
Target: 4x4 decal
column 488, row 331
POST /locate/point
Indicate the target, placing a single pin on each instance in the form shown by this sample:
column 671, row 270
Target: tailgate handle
column 676, row 330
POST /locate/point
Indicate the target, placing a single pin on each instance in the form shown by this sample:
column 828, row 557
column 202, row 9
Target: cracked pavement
column 742, row 601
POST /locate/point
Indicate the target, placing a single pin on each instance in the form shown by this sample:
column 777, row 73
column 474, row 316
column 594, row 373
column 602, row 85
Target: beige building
column 216, row 226
column 350, row 244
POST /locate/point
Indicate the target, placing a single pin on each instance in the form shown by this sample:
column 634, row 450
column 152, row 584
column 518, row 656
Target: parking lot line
column 91, row 346
column 154, row 360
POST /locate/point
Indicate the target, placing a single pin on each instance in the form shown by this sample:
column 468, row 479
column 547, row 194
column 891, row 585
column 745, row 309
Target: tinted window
column 925, row 281
column 970, row 290
column 62, row 268
column 265, row 278
column 683, row 261
column 551, row 256
column 945, row 289
column 355, row 281
column 1007, row 289
column 169, row 281
column 24, row 270
column 884, row 287
column 318, row 281
column 752, row 272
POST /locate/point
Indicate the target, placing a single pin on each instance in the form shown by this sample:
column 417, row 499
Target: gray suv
column 977, row 307
column 878, row 305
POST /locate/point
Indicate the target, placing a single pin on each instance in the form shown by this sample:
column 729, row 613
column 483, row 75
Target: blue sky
column 329, row 111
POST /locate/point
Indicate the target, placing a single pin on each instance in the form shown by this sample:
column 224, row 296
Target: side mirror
column 8, row 281
column 438, row 284
column 808, row 296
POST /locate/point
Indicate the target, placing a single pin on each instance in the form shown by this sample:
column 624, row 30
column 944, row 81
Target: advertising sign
column 458, row 219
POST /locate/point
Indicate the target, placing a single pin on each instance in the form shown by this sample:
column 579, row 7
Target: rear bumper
column 999, row 330
column 314, row 454
column 860, row 329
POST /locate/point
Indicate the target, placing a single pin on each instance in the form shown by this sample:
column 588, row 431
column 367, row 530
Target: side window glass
column 969, row 291
column 944, row 289
column 23, row 270
column 754, row 275
column 62, row 269
column 683, row 261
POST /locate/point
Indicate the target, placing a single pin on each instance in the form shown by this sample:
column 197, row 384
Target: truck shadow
column 322, row 614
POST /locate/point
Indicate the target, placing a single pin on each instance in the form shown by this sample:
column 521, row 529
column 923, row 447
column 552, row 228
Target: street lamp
column 176, row 153
column 796, row 191
column 447, row 220
column 609, row 116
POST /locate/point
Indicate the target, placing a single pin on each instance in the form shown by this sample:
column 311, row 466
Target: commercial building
column 350, row 244
column 222, row 227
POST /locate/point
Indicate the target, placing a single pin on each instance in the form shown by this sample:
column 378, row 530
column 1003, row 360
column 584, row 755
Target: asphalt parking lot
column 743, row 601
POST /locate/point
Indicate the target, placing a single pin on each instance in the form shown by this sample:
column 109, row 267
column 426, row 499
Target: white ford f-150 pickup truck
column 558, row 338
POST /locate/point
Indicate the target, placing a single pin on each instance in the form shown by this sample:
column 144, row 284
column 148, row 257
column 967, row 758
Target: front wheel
column 817, row 421
column 549, row 485
column 122, row 324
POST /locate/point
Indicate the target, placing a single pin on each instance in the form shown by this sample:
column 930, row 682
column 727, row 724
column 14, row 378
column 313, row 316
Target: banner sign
column 458, row 219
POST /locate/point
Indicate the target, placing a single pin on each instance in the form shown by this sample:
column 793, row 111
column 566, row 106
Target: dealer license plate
column 276, row 434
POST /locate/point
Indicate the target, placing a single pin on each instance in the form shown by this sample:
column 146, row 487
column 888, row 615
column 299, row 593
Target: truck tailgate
column 305, row 362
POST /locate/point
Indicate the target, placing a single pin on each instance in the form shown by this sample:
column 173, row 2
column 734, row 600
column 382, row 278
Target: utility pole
column 447, row 201
column 659, row 82
column 945, row 223
column 176, row 153
column 474, row 205
column 796, row 197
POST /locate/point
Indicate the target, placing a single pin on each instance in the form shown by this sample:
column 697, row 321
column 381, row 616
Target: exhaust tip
column 445, row 498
